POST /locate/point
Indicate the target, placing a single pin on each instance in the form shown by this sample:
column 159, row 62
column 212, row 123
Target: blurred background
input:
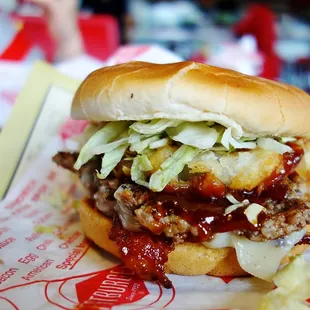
column 264, row 38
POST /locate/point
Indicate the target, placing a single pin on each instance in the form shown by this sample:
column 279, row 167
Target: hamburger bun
column 189, row 91
column 187, row 259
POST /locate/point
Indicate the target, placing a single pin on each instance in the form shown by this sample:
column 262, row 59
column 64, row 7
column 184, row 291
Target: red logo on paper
column 8, row 97
column 72, row 128
column 227, row 279
column 111, row 287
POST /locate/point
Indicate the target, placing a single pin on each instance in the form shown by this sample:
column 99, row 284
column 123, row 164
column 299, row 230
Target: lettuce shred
column 189, row 139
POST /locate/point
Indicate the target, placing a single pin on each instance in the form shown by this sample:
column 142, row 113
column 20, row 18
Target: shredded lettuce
column 235, row 206
column 232, row 199
column 145, row 164
column 154, row 127
column 219, row 149
column 242, row 145
column 273, row 145
column 123, row 139
column 209, row 139
column 110, row 160
column 172, row 167
column 225, row 121
column 83, row 137
column 139, row 147
column 194, row 134
column 286, row 139
column 248, row 138
column 104, row 136
column 228, row 140
column 220, row 129
column 159, row 143
column 205, row 156
column 137, row 175
column 134, row 137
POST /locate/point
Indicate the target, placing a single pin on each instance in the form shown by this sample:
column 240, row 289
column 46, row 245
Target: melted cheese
column 261, row 259
column 239, row 170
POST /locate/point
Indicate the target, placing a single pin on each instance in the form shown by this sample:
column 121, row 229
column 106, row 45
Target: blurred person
column 260, row 22
column 62, row 17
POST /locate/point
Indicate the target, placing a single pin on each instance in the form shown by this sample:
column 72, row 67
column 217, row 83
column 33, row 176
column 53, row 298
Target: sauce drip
column 143, row 253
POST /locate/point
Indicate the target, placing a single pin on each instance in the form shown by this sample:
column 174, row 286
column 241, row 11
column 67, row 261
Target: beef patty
column 138, row 209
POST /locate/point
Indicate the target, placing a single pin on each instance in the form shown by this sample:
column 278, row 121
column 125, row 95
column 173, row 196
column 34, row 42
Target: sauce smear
column 207, row 218
column 208, row 188
column 290, row 162
column 143, row 253
column 202, row 203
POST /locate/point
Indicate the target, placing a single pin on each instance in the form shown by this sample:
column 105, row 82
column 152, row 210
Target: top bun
column 186, row 91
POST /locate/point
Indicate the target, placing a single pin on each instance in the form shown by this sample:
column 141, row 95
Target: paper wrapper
column 47, row 263
column 45, row 260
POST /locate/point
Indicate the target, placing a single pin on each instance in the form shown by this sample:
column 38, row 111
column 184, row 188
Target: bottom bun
column 188, row 259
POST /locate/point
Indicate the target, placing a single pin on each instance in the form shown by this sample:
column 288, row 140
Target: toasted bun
column 187, row 259
column 186, row 91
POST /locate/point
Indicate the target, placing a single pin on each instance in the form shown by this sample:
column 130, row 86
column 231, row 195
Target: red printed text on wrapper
column 111, row 287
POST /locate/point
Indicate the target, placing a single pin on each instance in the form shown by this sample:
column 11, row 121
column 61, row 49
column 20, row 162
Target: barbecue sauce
column 143, row 252
column 290, row 162
column 208, row 187
column 207, row 218
column 202, row 203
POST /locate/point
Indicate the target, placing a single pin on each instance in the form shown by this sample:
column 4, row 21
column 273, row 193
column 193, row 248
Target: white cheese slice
column 221, row 240
column 261, row 259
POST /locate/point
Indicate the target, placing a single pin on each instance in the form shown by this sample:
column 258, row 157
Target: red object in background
column 100, row 35
column 18, row 48
column 199, row 57
column 304, row 61
column 260, row 22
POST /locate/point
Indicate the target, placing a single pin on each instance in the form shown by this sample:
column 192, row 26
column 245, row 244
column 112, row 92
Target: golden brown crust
column 186, row 91
column 97, row 228
column 187, row 259
column 194, row 259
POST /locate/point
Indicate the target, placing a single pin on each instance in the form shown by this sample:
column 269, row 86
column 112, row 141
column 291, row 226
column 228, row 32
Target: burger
column 192, row 169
